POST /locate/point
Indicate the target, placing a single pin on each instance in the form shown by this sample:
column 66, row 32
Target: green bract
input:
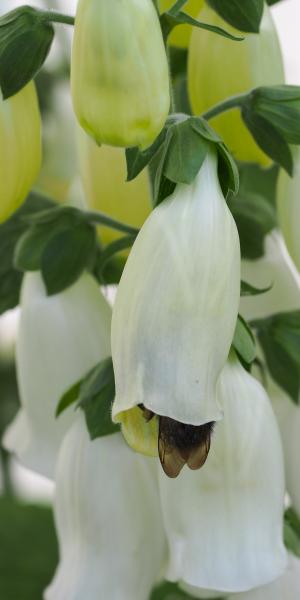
column 25, row 40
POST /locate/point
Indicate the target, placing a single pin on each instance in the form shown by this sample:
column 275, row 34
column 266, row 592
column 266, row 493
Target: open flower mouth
column 180, row 444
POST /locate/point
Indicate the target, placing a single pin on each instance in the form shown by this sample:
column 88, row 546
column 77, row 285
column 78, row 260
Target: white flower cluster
column 123, row 525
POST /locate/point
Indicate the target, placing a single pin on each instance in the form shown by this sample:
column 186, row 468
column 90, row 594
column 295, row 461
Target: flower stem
column 98, row 217
column 57, row 17
column 177, row 6
column 233, row 102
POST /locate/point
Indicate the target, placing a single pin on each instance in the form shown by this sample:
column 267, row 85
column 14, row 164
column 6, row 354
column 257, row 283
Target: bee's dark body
column 180, row 444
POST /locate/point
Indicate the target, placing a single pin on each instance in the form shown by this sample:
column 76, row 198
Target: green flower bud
column 119, row 72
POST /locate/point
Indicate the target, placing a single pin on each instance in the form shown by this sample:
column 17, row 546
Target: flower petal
column 107, row 514
column 224, row 523
column 60, row 338
column 177, row 303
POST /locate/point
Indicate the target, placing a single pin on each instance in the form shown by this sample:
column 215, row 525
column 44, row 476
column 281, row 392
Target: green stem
column 57, row 17
column 177, row 6
column 233, row 102
column 98, row 217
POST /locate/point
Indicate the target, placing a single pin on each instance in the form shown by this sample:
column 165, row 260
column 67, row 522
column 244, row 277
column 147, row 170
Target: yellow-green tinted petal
column 20, row 148
column 103, row 174
column 219, row 68
column 141, row 435
column 180, row 36
column 119, row 72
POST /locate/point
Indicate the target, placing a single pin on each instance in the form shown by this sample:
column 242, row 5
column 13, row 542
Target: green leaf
column 258, row 181
column 25, row 41
column 67, row 255
column 137, row 160
column 185, row 154
column 269, row 139
column 97, row 393
column 280, row 106
column 170, row 19
column 292, row 532
column 10, row 233
column 162, row 186
column 249, row 290
column 244, row 15
column 111, row 250
column 68, row 398
column 279, row 337
column 46, row 224
column 30, row 248
column 255, row 217
column 227, row 171
column 205, row 130
column 244, row 342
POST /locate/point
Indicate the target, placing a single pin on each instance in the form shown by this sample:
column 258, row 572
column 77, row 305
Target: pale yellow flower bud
column 20, row 148
column 103, row 174
column 220, row 68
column 119, row 72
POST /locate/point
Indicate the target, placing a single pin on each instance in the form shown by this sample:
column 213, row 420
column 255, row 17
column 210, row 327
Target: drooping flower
column 224, row 523
column 245, row 65
column 288, row 417
column 180, row 36
column 277, row 268
column 112, row 543
column 173, row 322
column 119, row 72
column 103, row 174
column 60, row 338
column 20, row 148
column 288, row 206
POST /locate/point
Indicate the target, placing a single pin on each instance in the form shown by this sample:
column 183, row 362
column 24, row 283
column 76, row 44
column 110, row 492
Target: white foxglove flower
column 60, row 338
column 224, row 523
column 288, row 206
column 175, row 314
column 286, row 587
column 288, row 417
column 107, row 514
column 276, row 268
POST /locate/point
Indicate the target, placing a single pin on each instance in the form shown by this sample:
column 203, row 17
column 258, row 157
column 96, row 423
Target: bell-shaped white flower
column 60, row 338
column 288, row 206
column 176, row 306
column 274, row 268
column 112, row 544
column 224, row 523
column 286, row 587
column 288, row 417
